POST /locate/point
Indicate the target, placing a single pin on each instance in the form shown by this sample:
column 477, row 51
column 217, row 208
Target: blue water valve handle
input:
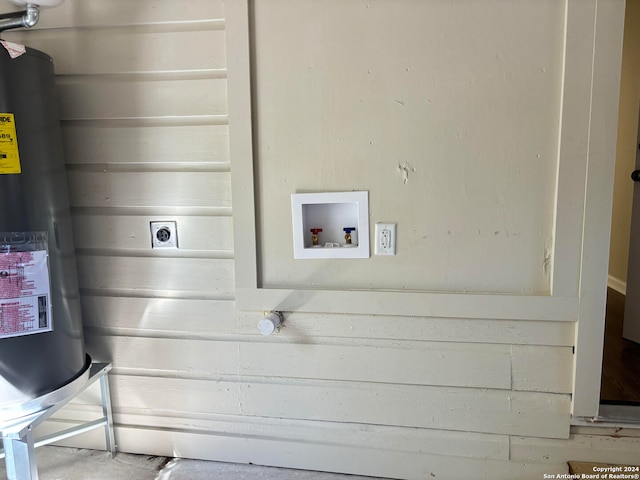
column 347, row 236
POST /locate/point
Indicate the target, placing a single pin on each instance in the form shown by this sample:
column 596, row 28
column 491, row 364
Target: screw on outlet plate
column 164, row 235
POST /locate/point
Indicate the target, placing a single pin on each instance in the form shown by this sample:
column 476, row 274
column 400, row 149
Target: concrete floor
column 58, row 463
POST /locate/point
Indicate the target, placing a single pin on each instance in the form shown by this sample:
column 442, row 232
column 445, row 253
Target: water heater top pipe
column 39, row 3
column 27, row 18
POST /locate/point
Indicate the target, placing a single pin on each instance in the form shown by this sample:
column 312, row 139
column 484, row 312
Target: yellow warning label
column 9, row 158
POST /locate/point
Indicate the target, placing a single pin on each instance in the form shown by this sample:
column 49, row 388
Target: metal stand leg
column 20, row 457
column 17, row 436
column 109, row 433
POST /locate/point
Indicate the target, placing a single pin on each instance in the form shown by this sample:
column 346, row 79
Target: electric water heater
column 41, row 338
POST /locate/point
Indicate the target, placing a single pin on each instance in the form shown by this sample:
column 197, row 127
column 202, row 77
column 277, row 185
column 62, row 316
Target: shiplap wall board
column 154, row 145
column 143, row 95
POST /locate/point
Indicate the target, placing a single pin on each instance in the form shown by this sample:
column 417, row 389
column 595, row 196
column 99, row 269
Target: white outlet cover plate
column 172, row 227
column 385, row 241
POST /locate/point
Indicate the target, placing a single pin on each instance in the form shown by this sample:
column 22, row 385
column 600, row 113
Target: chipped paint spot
column 406, row 169
column 546, row 262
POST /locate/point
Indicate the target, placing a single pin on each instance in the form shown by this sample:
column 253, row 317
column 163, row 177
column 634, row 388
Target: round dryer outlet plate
column 164, row 234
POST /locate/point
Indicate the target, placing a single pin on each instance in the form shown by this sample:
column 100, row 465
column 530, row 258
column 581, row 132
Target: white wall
column 143, row 102
column 467, row 100
column 626, row 148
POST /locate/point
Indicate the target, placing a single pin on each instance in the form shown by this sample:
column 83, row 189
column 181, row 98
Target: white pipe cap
column 269, row 324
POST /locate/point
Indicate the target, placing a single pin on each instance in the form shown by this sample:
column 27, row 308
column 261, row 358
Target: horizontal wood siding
column 348, row 435
column 84, row 51
column 149, row 189
column 604, row 448
column 180, row 275
column 143, row 99
column 93, row 144
column 403, row 453
column 443, row 408
column 205, row 234
column 123, row 98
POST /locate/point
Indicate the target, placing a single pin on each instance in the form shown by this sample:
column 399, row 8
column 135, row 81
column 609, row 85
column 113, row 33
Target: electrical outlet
column 164, row 235
column 385, row 239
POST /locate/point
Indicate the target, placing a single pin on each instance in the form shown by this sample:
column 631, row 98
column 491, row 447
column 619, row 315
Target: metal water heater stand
column 17, row 434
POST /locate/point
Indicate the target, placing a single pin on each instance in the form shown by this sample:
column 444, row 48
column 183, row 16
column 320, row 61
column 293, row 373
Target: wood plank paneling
column 145, row 275
column 176, row 396
column 206, row 317
column 168, row 356
column 542, row 369
column 343, row 299
column 427, row 329
column 483, row 366
column 194, row 143
column 149, row 189
column 442, row 408
column 413, row 462
column 163, row 316
column 127, row 50
column 467, row 365
column 490, row 411
column 123, row 12
column 118, row 99
column 322, row 457
column 414, row 440
column 206, row 233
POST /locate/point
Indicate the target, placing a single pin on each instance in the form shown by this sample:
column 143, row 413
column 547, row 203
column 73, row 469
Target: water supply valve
column 347, row 236
column 314, row 236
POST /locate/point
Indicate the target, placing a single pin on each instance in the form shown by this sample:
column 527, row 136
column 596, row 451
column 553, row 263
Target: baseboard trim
column 617, row 284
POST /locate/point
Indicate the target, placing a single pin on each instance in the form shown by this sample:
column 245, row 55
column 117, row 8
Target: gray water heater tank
column 41, row 338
